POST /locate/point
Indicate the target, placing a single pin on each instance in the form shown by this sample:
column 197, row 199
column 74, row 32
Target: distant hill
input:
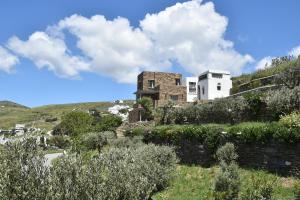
column 13, row 113
column 11, row 104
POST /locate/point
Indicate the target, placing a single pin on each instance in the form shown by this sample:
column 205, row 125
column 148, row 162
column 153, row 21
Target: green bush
column 255, row 104
column 59, row 141
column 107, row 122
column 227, row 154
column 211, row 135
column 23, row 174
column 284, row 101
column 259, row 189
column 138, row 131
column 147, row 104
column 120, row 173
column 74, row 124
column 227, row 181
column 93, row 141
column 166, row 113
column 126, row 142
column 291, row 120
column 117, row 174
column 224, row 110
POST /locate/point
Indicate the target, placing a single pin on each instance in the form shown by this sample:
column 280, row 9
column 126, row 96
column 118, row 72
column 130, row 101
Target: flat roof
column 215, row 71
column 159, row 72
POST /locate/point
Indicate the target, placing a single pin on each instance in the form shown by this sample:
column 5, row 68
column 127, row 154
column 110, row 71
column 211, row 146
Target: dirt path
column 120, row 132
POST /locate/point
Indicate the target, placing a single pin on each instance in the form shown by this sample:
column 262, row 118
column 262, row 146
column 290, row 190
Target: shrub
column 139, row 131
column 23, row 174
column 166, row 113
column 67, row 180
column 59, row 141
column 120, row 173
column 74, row 124
column 227, row 154
column 283, row 101
column 291, row 120
column 227, row 181
column 259, row 189
column 147, row 104
column 130, row 173
column 224, row 110
column 133, row 142
column 107, row 122
column 93, row 141
column 255, row 103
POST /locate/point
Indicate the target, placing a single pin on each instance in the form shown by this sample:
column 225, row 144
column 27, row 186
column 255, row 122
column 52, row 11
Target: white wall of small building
column 210, row 85
column 191, row 97
column 203, row 86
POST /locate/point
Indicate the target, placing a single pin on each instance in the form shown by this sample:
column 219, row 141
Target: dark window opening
column 203, row 90
column 214, row 75
column 219, row 86
column 177, row 81
column 174, row 97
column 151, row 83
column 192, row 87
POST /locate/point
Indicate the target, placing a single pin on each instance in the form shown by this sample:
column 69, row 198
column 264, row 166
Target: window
column 151, row 83
column 177, row 81
column 203, row 90
column 214, row 75
column 192, row 87
column 174, row 97
column 202, row 77
column 219, row 86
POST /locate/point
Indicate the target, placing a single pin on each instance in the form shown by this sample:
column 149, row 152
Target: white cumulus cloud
column 115, row 48
column 193, row 34
column 7, row 60
column 295, row 52
column 49, row 52
column 190, row 33
column 264, row 63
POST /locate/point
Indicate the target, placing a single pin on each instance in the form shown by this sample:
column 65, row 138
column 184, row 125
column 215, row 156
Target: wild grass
column 196, row 183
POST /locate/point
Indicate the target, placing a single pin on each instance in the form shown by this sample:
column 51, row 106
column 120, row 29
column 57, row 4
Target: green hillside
column 12, row 113
column 278, row 66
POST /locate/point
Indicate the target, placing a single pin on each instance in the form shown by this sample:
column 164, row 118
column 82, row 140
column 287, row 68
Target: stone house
column 161, row 87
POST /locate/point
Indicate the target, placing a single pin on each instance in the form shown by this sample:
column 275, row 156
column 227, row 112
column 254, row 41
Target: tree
column 167, row 113
column 23, row 171
column 147, row 104
column 290, row 78
column 74, row 124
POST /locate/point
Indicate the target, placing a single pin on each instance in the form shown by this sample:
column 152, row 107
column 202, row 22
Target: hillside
column 252, row 80
column 12, row 113
column 11, row 104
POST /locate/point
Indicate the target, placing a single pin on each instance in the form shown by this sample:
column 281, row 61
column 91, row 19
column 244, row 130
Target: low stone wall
column 274, row 157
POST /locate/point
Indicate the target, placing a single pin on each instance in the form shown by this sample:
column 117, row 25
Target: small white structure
column 116, row 110
column 19, row 129
column 214, row 84
column 191, row 89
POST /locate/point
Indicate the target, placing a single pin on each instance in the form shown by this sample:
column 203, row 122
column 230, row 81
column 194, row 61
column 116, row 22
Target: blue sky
column 94, row 63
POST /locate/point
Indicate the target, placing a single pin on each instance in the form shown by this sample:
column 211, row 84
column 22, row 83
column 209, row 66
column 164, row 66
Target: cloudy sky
column 62, row 51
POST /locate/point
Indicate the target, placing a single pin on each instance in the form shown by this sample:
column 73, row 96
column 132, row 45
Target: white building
column 191, row 89
column 214, row 84
column 19, row 129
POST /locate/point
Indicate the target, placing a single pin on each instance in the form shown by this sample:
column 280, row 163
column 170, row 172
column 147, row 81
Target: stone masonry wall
column 275, row 157
column 165, row 83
